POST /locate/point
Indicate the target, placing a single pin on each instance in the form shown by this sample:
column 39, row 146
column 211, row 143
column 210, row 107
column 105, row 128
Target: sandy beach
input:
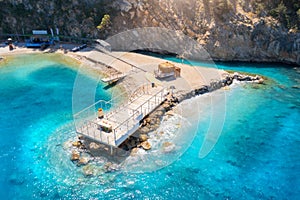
column 122, row 62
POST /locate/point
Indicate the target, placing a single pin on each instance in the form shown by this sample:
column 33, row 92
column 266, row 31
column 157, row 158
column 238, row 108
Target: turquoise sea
column 256, row 157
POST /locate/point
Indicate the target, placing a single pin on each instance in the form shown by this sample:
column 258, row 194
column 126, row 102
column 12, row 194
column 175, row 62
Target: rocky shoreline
column 87, row 154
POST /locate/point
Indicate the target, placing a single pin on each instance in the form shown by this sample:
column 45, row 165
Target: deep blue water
column 256, row 157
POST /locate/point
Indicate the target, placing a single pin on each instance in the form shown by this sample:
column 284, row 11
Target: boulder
column 148, row 120
column 76, row 144
column 170, row 113
column 146, row 145
column 260, row 81
column 143, row 137
column 83, row 161
column 75, row 156
column 110, row 167
column 88, row 170
column 134, row 151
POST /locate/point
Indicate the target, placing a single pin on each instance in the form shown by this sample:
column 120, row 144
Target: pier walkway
column 120, row 123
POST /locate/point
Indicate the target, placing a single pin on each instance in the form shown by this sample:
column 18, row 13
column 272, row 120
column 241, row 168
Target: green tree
column 280, row 12
column 105, row 22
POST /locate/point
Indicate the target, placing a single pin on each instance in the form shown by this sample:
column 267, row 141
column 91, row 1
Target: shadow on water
column 109, row 86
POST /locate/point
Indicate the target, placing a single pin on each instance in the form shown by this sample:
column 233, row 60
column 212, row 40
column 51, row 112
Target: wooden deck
column 123, row 121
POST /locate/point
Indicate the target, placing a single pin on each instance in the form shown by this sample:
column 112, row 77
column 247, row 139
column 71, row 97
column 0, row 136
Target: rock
column 161, row 133
column 170, row 113
column 110, row 167
column 124, row 5
column 77, row 144
column 166, row 106
column 88, row 170
column 168, row 147
column 83, row 161
column 145, row 130
column 75, row 155
column 259, row 81
column 143, row 137
column 134, row 151
column 80, row 137
column 132, row 143
column 16, row 179
column 148, row 120
column 67, row 145
column 154, row 121
column 146, row 145
column 94, row 145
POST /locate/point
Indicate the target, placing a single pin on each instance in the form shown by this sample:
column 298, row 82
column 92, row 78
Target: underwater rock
column 75, row 155
column 168, row 147
column 67, row 145
column 83, row 161
column 110, row 167
column 15, row 179
column 146, row 145
column 88, row 170
column 259, row 81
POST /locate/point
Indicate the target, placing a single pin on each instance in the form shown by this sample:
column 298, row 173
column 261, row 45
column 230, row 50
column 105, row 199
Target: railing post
column 115, row 138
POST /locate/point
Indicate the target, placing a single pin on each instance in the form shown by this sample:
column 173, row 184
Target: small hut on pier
column 167, row 69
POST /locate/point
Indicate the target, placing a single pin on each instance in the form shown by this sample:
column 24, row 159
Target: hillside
column 256, row 30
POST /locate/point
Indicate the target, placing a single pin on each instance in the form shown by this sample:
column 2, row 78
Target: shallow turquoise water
column 256, row 157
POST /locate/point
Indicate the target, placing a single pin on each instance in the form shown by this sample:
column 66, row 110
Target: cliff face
column 77, row 18
column 229, row 30
column 257, row 30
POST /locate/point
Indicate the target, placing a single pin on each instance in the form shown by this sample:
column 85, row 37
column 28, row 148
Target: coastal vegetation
column 104, row 22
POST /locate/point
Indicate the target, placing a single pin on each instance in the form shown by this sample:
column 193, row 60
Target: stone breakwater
column 217, row 84
column 96, row 158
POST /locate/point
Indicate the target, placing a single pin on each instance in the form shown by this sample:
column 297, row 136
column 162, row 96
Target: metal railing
column 90, row 112
column 138, row 112
column 125, row 128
